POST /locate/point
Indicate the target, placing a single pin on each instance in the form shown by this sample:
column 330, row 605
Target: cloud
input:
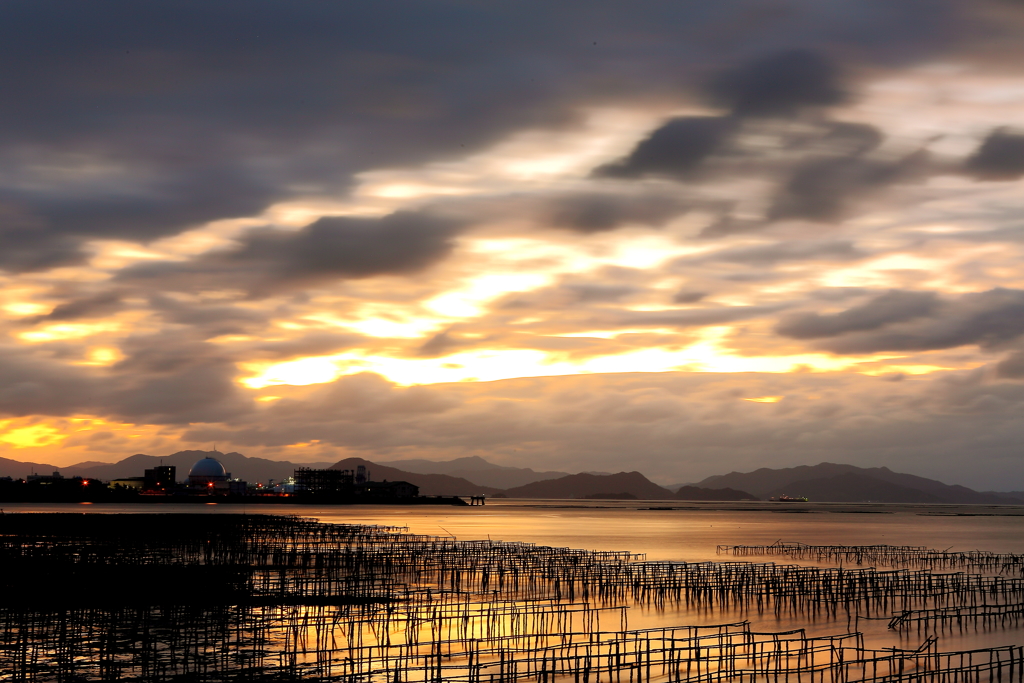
column 685, row 296
column 161, row 381
column 728, row 225
column 1011, row 367
column 442, row 344
column 820, row 189
column 200, row 390
column 100, row 304
column 691, row 317
column 893, row 306
column 1000, row 156
column 33, row 385
column 597, row 212
column 118, row 133
column 779, row 252
column 267, row 260
column 779, row 84
column 344, row 247
column 828, row 163
column 989, row 319
column 116, row 128
column 309, row 343
column 677, row 148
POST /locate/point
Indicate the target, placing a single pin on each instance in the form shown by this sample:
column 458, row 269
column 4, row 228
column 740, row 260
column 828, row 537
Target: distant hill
column 476, row 470
column 869, row 483
column 430, row 484
column 851, row 487
column 583, row 485
column 475, row 475
column 20, row 470
column 698, row 493
column 249, row 469
column 1019, row 495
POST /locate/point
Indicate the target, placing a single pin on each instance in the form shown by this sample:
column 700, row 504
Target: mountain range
column 847, row 483
column 238, row 465
column 593, row 485
column 476, row 470
column 474, row 475
column 430, row 484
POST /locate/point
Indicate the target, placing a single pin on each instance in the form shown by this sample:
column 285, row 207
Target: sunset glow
column 512, row 241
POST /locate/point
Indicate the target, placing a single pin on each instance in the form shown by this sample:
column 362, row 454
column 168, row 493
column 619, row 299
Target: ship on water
column 789, row 499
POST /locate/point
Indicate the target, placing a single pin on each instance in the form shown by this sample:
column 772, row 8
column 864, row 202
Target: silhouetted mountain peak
column 584, row 484
column 477, row 470
column 844, row 483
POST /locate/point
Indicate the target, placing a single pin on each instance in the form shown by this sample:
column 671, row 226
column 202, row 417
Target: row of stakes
column 277, row 598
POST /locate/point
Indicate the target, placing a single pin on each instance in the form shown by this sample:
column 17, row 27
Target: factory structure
column 310, row 482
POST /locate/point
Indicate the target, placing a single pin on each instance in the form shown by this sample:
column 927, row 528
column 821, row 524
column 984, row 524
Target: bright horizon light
column 706, row 355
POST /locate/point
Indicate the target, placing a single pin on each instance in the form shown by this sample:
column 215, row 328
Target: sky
column 678, row 237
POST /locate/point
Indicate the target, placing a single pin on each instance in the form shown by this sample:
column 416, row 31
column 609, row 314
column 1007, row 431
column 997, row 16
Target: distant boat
column 789, row 499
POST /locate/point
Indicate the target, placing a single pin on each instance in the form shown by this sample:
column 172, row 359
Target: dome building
column 207, row 472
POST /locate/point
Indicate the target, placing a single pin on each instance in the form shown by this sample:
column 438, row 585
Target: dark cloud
column 780, row 84
column 989, row 319
column 344, row 247
column 161, row 380
column 158, row 354
column 686, row 296
column 26, row 249
column 730, row 225
column 207, row 320
column 600, row 293
column 101, row 304
column 1011, row 367
column 1000, row 156
column 168, row 379
column 578, row 294
column 850, row 139
column 828, row 164
column 596, row 212
column 266, row 260
column 33, row 385
column 310, row 343
column 820, row 189
column 203, row 390
column 779, row 252
column 677, row 148
column 691, row 317
column 893, row 306
column 135, row 122
column 826, row 161
column 442, row 344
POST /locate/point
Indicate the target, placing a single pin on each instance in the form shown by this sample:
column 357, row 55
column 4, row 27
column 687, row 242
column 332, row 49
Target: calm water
column 687, row 532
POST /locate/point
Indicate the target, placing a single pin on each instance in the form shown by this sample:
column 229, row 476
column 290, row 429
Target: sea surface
column 673, row 530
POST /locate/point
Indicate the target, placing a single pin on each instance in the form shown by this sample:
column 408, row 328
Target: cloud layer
column 549, row 234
